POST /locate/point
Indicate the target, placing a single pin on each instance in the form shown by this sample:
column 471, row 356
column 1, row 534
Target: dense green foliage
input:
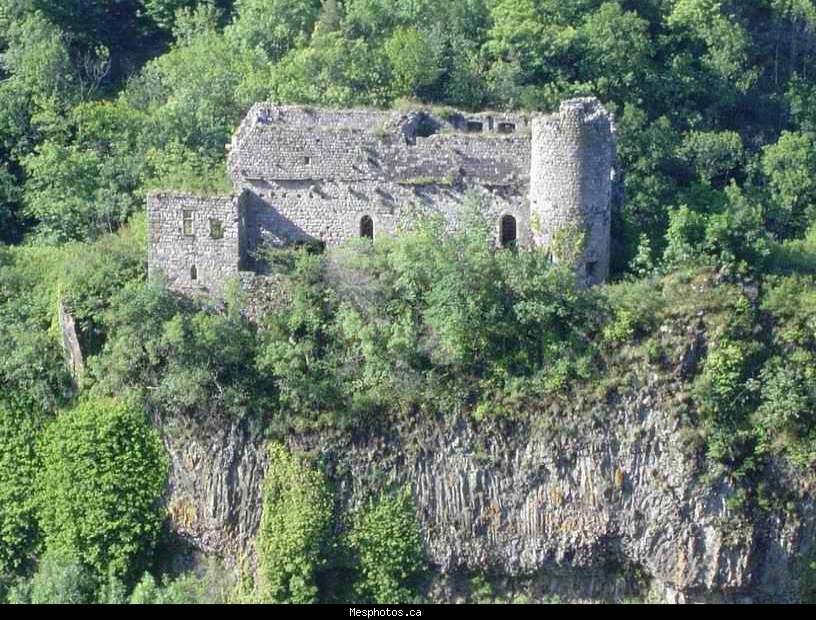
column 103, row 100
column 294, row 529
column 57, row 581
column 386, row 542
column 303, row 559
column 429, row 319
column 103, row 472
column 184, row 589
column 19, row 463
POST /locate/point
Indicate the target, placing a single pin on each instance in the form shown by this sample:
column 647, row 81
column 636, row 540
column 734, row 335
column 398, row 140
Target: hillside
column 423, row 417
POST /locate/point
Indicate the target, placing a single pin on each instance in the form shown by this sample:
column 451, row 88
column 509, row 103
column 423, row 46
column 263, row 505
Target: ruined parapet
column 195, row 242
column 571, row 183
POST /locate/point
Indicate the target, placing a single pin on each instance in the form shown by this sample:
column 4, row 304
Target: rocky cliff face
column 589, row 500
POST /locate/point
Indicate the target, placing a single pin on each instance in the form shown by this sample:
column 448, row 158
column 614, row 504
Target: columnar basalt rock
column 304, row 174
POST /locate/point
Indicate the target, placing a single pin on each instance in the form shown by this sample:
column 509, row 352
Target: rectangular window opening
column 187, row 222
column 216, row 229
column 474, row 127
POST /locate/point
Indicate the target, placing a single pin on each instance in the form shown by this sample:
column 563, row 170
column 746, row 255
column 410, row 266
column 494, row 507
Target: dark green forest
column 102, row 101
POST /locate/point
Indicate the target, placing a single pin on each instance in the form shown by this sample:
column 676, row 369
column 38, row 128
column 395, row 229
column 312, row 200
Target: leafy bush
column 58, row 580
column 20, row 429
column 413, row 320
column 784, row 417
column 98, row 494
column 190, row 356
column 294, row 529
column 386, row 541
column 187, row 589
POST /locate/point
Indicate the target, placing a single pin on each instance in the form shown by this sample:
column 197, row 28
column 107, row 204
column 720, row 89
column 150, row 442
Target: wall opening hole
column 193, row 273
column 307, row 160
column 216, row 229
column 509, row 233
column 367, row 227
column 592, row 270
column 507, row 127
column 426, row 127
column 187, row 222
column 474, row 127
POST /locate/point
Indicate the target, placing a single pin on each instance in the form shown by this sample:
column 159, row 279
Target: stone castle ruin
column 318, row 175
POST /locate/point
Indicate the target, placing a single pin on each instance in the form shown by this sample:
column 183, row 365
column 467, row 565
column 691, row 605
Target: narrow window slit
column 187, row 222
column 509, row 233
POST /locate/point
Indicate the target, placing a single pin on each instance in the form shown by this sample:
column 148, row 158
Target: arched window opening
column 367, row 227
column 508, row 231
column 193, row 273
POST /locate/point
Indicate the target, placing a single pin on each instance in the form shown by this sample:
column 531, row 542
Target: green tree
column 788, row 166
column 618, row 52
column 62, row 194
column 725, row 43
column 20, row 429
column 186, row 589
column 276, row 26
column 103, row 473
column 413, row 61
column 715, row 156
column 59, row 580
column 163, row 12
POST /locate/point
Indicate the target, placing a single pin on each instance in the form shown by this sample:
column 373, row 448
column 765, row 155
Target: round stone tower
column 571, row 182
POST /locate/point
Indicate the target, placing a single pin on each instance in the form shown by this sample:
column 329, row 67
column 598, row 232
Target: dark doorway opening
column 367, row 227
column 193, row 273
column 509, row 233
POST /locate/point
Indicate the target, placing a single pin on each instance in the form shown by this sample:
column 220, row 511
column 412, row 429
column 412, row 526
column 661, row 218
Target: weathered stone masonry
column 303, row 174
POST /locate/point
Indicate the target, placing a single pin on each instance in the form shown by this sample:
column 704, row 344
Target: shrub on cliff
column 183, row 589
column 387, row 545
column 19, row 462
column 58, row 580
column 98, row 494
column 422, row 319
column 785, row 418
column 294, row 530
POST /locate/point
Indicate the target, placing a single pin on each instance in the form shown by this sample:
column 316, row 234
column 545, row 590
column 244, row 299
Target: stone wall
column 281, row 152
column 571, row 182
column 331, row 211
column 308, row 174
column 194, row 258
column 314, row 174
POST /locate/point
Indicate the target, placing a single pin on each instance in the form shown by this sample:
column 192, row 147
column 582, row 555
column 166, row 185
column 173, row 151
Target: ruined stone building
column 310, row 174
